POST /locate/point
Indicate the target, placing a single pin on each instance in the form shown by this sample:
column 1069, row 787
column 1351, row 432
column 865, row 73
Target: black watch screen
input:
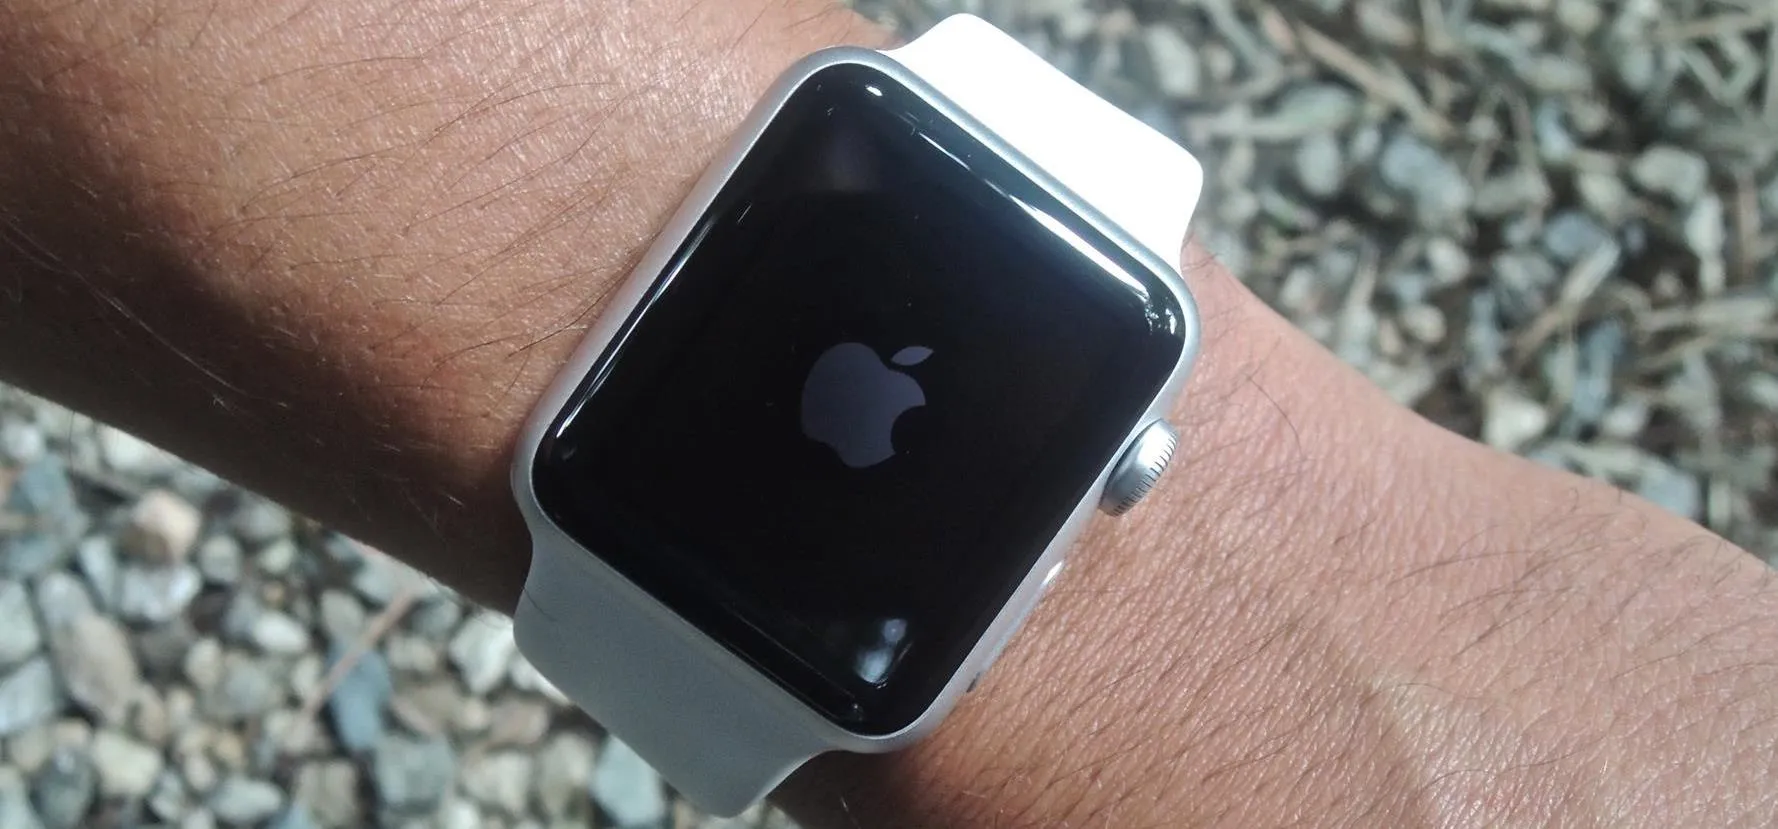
column 860, row 401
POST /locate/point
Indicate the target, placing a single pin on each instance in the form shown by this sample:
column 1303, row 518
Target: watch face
column 862, row 399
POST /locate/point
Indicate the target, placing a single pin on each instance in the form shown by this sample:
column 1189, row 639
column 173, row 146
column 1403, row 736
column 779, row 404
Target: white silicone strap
column 720, row 739
column 1139, row 179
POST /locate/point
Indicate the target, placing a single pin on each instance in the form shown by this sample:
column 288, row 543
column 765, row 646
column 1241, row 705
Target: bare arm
column 334, row 250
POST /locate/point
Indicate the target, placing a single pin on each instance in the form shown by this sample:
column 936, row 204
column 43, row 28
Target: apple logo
column 852, row 400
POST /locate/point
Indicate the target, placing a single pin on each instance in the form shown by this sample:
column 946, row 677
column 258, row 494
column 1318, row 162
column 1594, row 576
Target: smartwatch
column 823, row 451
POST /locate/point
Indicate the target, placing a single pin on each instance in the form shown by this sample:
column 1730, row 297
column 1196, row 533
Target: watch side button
column 1141, row 465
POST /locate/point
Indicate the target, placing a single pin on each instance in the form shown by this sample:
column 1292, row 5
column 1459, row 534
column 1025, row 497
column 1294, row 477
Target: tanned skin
column 334, row 250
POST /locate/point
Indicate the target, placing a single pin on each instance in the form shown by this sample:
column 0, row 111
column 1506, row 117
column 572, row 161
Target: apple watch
column 821, row 454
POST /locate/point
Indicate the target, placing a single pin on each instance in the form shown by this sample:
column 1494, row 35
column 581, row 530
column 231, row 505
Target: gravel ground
column 1548, row 224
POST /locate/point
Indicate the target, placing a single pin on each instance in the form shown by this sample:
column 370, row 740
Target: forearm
column 334, row 250
column 336, row 253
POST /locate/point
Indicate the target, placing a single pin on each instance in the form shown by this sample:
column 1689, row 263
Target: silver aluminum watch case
column 665, row 631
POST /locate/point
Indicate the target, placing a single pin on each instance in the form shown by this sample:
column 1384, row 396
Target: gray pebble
column 43, row 497
column 244, row 608
column 1681, row 117
column 276, row 557
column 358, row 702
column 342, row 617
column 1433, row 180
column 1511, row 420
column 162, row 528
column 563, row 769
column 1318, row 165
column 380, row 577
column 194, row 483
column 62, row 598
column 436, row 617
column 21, row 442
column 248, row 688
column 627, row 788
column 42, row 490
column 151, row 721
column 1579, row 17
column 1555, row 144
column 1520, row 230
column 1317, row 108
column 1600, row 348
column 1705, row 228
column 1625, row 420
column 97, row 556
column 1178, row 73
column 20, row 637
column 342, row 552
column 1522, row 190
column 1286, row 212
column 1558, row 74
column 482, row 649
column 29, row 749
column 28, row 696
column 412, row 774
column 126, row 768
column 293, row 817
column 15, row 802
column 203, row 664
column 1550, row 456
column 1768, row 196
column 156, row 594
column 1365, row 143
column 161, row 649
column 277, row 633
column 1425, row 323
column 129, row 454
column 1522, row 281
column 501, row 780
column 412, row 654
column 329, row 791
column 1674, row 490
column 244, row 801
column 168, row 799
column 1570, row 235
column 258, row 522
column 1304, row 290
column 516, row 721
column 219, row 559
column 1762, row 391
column 93, row 656
column 1485, row 343
column 1636, row 65
column 1604, row 194
column 1448, row 261
column 459, row 813
column 64, row 789
column 430, row 707
column 1678, row 174
column 30, row 552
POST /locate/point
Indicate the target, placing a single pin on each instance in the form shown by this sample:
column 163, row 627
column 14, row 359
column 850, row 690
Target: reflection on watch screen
column 860, row 401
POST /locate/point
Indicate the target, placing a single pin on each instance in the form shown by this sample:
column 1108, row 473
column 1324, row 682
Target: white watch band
column 595, row 635
column 1141, row 180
